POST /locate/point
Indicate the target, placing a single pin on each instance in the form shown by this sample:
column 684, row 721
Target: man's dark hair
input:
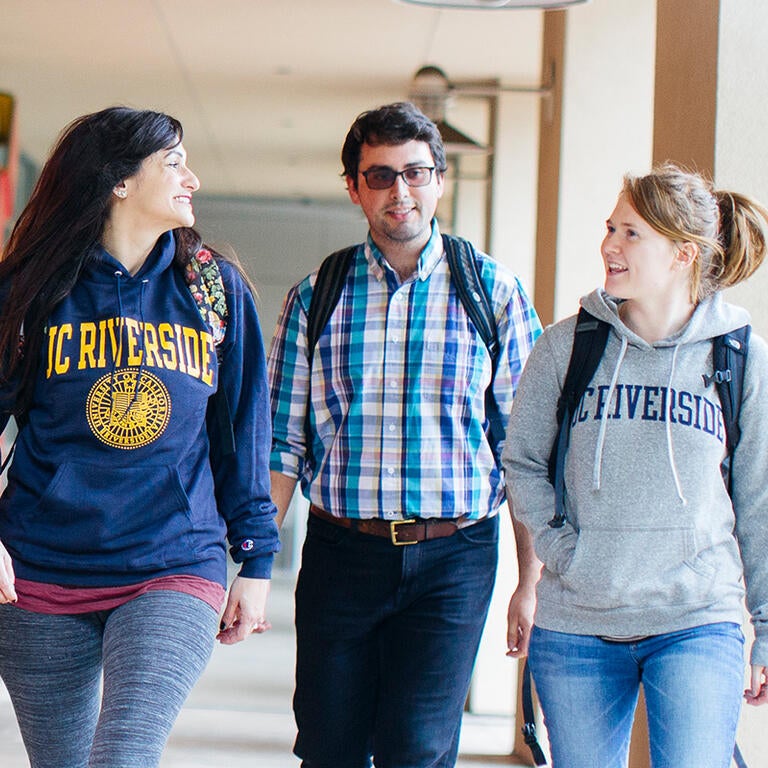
column 395, row 123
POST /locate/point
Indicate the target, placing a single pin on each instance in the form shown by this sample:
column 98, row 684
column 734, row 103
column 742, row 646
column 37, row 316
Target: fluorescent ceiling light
column 495, row 4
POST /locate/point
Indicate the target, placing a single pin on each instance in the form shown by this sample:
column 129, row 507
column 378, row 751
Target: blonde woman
column 643, row 581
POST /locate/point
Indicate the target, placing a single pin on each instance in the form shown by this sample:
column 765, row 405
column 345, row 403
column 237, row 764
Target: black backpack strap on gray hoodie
column 729, row 357
column 589, row 339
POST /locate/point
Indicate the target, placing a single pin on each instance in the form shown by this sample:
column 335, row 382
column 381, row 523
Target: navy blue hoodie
column 112, row 481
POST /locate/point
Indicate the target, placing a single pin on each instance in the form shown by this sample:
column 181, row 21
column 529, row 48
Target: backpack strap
column 729, row 357
column 465, row 274
column 738, row 757
column 473, row 294
column 203, row 277
column 206, row 285
column 529, row 719
column 326, row 293
column 589, row 339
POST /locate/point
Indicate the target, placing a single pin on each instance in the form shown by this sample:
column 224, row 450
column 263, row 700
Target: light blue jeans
column 693, row 682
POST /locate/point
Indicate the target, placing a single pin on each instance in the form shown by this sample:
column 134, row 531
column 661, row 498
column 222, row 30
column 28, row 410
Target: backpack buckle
column 529, row 733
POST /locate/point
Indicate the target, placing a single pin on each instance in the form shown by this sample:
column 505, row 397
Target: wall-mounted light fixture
column 496, row 4
column 431, row 91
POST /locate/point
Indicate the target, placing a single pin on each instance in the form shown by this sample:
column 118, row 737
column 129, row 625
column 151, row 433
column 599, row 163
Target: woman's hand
column 757, row 693
column 520, row 620
column 246, row 610
column 7, row 577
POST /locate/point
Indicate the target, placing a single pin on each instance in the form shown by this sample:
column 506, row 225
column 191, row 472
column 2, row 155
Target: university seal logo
column 123, row 417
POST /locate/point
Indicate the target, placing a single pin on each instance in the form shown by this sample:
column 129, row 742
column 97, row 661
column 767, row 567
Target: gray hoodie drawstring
column 670, row 448
column 598, row 467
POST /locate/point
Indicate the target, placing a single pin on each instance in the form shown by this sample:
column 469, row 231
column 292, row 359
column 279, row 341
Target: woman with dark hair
column 119, row 498
column 646, row 569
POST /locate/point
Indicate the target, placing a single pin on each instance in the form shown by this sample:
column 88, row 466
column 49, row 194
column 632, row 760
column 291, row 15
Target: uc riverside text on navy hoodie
column 112, row 481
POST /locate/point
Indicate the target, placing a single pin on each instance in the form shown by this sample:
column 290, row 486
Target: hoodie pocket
column 110, row 519
column 636, row 567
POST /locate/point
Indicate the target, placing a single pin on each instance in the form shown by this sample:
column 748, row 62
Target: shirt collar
column 429, row 257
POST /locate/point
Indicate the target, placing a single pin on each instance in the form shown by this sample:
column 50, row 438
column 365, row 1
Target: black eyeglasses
column 383, row 177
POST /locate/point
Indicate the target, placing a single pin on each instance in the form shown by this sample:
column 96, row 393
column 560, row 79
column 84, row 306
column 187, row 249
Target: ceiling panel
column 266, row 89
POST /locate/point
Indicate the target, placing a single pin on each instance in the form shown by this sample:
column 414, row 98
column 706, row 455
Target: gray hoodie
column 652, row 543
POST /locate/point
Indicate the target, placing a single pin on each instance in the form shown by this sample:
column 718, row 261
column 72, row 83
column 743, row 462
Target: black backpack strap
column 326, row 293
column 738, row 757
column 529, row 719
column 462, row 263
column 729, row 357
column 473, row 294
column 589, row 339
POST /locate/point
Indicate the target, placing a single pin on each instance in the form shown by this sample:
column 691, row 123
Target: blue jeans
column 150, row 652
column 386, row 642
column 693, row 682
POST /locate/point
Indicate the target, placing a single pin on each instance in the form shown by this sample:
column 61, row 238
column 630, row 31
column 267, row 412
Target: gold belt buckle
column 393, row 532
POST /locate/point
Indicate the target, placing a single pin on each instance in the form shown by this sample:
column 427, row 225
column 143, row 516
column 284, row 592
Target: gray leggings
column 150, row 651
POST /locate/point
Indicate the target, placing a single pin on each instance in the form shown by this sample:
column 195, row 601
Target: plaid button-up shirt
column 397, row 391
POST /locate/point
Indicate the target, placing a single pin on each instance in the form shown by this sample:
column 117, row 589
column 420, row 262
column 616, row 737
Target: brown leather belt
column 399, row 532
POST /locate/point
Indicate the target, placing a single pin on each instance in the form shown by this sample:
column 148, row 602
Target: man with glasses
column 384, row 422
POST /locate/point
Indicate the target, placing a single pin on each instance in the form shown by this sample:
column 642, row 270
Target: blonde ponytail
column 728, row 228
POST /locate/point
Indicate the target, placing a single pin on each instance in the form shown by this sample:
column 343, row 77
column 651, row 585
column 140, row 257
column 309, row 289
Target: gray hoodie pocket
column 637, row 567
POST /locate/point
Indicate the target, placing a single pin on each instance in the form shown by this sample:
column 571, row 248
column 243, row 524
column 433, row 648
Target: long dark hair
column 56, row 232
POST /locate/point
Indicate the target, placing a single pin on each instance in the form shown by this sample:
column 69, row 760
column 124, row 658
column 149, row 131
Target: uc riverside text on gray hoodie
column 653, row 542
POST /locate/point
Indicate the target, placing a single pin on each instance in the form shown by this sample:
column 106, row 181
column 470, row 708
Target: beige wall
column 512, row 243
column 607, row 131
column 741, row 152
column 742, row 116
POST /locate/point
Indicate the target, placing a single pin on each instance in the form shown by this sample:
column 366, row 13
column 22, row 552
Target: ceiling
column 266, row 89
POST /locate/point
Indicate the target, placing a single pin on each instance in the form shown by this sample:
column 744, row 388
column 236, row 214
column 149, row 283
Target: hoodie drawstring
column 141, row 344
column 118, row 277
column 134, row 396
column 600, row 447
column 670, row 447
